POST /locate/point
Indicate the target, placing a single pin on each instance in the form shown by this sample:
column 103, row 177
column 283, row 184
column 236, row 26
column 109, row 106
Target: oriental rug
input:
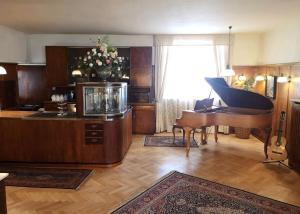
column 166, row 141
column 45, row 177
column 178, row 193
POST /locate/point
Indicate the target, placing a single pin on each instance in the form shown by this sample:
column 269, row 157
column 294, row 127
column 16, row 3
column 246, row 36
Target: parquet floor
column 232, row 161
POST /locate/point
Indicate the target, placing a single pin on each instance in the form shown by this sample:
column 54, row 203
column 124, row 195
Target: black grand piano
column 245, row 109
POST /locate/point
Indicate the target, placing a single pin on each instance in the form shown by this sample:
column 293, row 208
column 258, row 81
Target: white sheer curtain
column 181, row 64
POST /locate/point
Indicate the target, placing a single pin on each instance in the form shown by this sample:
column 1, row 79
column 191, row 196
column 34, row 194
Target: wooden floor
column 232, row 161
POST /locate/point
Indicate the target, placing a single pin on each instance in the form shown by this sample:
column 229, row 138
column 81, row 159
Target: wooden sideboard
column 71, row 139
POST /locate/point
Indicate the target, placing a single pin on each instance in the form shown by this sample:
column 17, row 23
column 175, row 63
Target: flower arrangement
column 103, row 58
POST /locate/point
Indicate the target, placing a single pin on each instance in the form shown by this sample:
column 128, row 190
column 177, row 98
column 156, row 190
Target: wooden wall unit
column 57, row 67
column 31, row 84
column 285, row 91
column 141, row 67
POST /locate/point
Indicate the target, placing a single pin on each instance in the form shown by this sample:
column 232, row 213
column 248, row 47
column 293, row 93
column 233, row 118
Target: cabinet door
column 141, row 66
column 57, row 66
column 143, row 119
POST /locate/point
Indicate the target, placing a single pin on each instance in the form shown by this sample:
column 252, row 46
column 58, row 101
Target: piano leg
column 203, row 136
column 266, row 143
column 216, row 133
column 187, row 139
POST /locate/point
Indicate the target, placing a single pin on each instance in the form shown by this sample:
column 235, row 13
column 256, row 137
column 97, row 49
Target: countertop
column 36, row 115
column 16, row 114
column 3, row 175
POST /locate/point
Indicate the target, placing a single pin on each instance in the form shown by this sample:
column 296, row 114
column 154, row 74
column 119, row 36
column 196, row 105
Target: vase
column 104, row 73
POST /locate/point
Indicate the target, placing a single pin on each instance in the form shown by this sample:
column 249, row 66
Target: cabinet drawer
column 93, row 133
column 94, row 126
column 94, row 140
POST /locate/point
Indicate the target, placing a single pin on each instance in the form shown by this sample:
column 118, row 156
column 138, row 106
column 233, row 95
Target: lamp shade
column 2, row 70
column 76, row 73
column 282, row 79
column 228, row 72
column 259, row 78
column 242, row 77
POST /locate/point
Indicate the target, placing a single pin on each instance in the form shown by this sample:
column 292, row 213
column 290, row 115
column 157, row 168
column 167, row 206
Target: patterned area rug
column 181, row 193
column 45, row 177
column 166, row 141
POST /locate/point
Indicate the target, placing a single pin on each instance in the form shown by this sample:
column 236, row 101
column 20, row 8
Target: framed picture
column 270, row 90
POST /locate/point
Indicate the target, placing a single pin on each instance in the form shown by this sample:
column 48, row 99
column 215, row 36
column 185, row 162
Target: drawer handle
column 94, row 133
column 94, row 126
column 94, row 140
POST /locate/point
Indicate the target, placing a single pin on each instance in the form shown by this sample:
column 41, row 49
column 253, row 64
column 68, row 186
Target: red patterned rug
column 181, row 193
column 166, row 141
column 45, row 177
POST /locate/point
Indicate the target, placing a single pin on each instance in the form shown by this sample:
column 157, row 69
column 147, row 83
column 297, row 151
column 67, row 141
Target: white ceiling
column 146, row 16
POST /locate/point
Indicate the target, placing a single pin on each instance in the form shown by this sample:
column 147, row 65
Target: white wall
column 282, row 45
column 246, row 49
column 13, row 45
column 37, row 42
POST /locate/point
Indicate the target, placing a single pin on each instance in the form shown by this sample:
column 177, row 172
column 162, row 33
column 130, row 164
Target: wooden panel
column 57, row 66
column 8, row 86
column 31, row 84
column 141, row 66
column 3, row 209
column 143, row 119
column 11, row 71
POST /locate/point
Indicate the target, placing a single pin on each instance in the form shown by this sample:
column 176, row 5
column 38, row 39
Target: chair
column 200, row 105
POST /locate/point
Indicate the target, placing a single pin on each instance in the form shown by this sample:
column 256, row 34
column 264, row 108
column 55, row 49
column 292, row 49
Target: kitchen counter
column 35, row 137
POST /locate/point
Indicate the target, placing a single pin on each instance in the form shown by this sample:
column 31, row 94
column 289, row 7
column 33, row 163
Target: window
column 187, row 66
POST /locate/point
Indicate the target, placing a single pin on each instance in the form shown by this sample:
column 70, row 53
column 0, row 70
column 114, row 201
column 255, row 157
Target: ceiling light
column 2, row 70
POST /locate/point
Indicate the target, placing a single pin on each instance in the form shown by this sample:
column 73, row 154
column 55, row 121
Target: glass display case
column 104, row 99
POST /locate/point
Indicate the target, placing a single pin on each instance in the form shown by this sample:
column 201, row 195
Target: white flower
column 113, row 55
column 84, row 59
column 99, row 63
column 80, row 57
column 94, row 50
column 115, row 61
column 89, row 57
column 99, row 54
column 88, row 53
column 119, row 68
column 91, row 65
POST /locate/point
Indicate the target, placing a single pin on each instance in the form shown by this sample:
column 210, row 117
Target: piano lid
column 239, row 98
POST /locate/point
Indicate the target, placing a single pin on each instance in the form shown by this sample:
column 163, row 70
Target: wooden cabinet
column 143, row 118
column 31, row 84
column 57, row 66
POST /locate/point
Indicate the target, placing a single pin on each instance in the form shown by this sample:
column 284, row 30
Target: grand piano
column 245, row 109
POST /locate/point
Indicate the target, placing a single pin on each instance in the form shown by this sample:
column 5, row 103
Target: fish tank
column 104, row 99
